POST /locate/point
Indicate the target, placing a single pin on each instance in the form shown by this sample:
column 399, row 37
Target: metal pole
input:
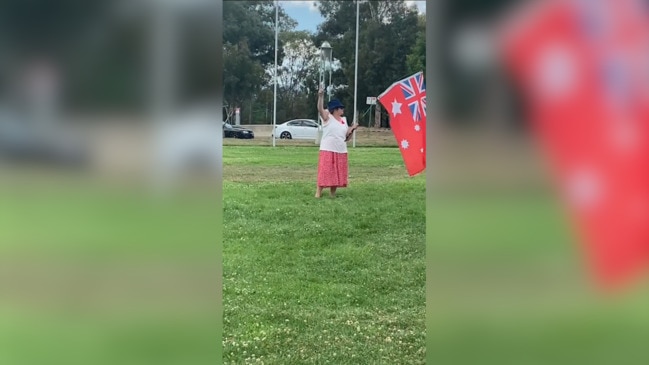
column 275, row 75
column 164, row 62
column 356, row 73
column 320, row 84
column 330, row 88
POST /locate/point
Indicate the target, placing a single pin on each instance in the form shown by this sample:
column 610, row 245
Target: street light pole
column 325, row 63
column 356, row 73
column 275, row 73
column 163, row 61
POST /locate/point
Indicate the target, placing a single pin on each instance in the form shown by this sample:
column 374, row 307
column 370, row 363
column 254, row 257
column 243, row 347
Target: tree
column 45, row 26
column 300, row 64
column 64, row 33
column 416, row 60
column 249, row 49
column 102, row 48
column 242, row 76
column 254, row 23
column 388, row 32
column 459, row 91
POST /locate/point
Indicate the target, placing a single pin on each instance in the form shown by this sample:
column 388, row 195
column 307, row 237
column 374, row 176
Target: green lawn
column 98, row 275
column 329, row 281
column 92, row 273
column 508, row 285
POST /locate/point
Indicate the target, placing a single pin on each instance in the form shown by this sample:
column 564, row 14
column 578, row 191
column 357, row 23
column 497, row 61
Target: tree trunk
column 377, row 116
column 250, row 117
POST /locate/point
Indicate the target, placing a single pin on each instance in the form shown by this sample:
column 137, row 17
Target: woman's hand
column 320, row 91
column 350, row 132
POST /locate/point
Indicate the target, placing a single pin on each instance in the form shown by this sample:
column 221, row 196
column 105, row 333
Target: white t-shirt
column 333, row 135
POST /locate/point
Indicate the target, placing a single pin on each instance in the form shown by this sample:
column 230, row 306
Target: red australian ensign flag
column 405, row 102
column 581, row 67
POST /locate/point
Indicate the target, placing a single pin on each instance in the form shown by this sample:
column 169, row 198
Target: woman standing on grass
column 332, row 162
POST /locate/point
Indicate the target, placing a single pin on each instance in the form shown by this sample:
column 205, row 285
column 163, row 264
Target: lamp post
column 275, row 73
column 325, row 65
column 356, row 72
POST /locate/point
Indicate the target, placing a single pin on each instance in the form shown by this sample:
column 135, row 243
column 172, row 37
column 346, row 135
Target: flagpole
column 356, row 74
column 275, row 74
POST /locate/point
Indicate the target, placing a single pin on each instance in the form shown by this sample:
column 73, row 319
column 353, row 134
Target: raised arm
column 324, row 113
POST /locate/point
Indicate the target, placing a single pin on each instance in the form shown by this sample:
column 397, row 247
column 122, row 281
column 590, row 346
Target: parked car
column 24, row 142
column 298, row 129
column 235, row 131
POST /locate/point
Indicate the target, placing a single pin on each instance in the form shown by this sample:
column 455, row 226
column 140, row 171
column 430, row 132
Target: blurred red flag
column 405, row 102
column 581, row 66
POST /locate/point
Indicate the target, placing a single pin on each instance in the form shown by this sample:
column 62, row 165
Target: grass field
column 98, row 274
column 510, row 287
column 508, row 283
column 329, row 281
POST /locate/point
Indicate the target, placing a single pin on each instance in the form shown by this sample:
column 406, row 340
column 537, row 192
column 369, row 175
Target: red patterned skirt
column 332, row 169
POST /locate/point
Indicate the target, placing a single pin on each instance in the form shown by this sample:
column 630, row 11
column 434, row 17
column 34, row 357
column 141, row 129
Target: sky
column 308, row 16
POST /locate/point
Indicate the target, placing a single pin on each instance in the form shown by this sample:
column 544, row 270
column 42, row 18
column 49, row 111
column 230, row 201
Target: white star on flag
column 404, row 144
column 556, row 71
column 585, row 188
column 422, row 150
column 396, row 107
column 417, row 127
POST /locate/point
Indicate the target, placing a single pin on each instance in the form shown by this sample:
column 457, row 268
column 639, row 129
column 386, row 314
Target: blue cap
column 335, row 104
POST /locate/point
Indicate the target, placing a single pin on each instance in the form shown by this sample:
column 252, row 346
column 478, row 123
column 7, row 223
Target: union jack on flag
column 414, row 90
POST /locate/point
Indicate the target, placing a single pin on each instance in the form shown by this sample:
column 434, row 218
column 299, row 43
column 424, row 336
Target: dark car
column 24, row 142
column 235, row 131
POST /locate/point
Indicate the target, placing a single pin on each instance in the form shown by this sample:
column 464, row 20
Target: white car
column 298, row 129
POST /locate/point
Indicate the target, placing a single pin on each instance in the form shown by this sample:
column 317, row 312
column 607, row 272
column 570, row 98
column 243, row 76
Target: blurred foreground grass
column 507, row 283
column 96, row 273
